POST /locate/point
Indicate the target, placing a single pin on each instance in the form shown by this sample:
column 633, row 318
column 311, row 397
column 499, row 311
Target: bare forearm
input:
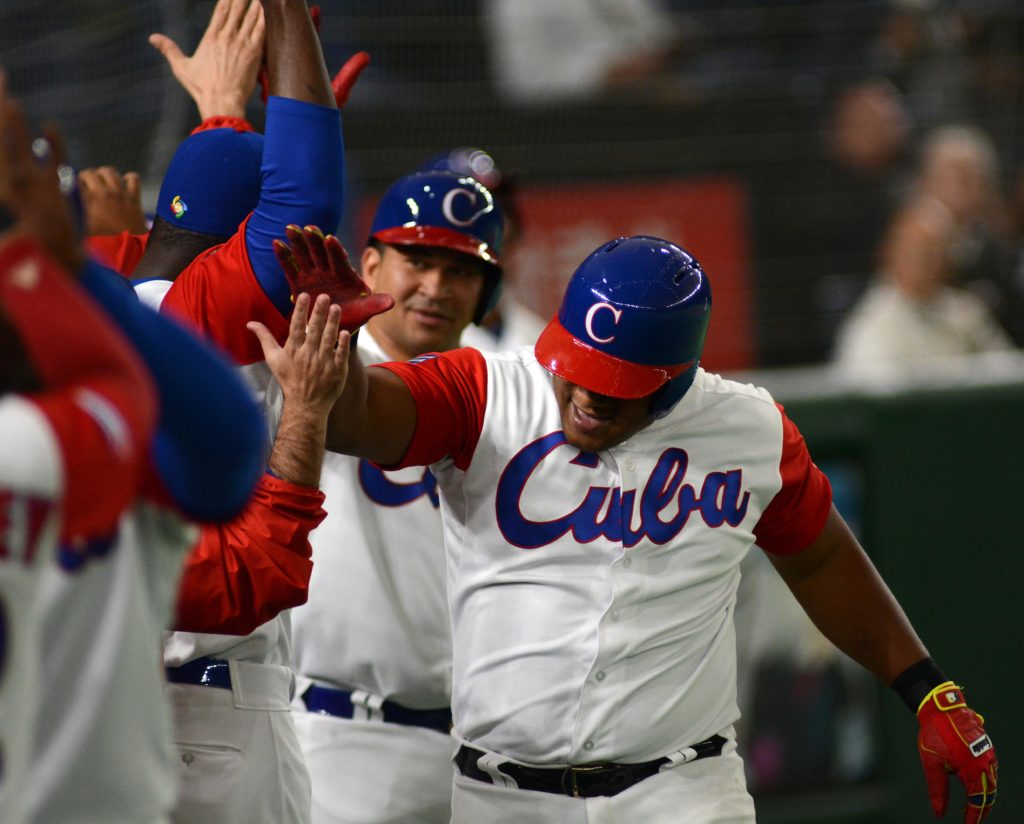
column 374, row 418
column 295, row 62
column 846, row 598
column 298, row 452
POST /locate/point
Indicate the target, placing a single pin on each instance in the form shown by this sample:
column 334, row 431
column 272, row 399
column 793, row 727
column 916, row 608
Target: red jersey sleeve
column 450, row 392
column 243, row 573
column 121, row 252
column 797, row 513
column 217, row 294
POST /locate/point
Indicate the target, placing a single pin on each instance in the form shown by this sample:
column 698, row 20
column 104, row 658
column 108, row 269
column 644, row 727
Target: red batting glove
column 347, row 76
column 953, row 740
column 319, row 265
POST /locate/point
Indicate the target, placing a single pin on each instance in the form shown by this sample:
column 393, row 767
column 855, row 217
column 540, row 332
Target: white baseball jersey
column 592, row 594
column 104, row 749
column 377, row 615
column 31, row 481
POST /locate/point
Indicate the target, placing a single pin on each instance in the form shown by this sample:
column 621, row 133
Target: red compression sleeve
column 99, row 397
column 243, row 573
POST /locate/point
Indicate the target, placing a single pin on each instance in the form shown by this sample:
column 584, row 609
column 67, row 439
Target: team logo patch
column 423, row 358
column 981, row 745
column 178, row 207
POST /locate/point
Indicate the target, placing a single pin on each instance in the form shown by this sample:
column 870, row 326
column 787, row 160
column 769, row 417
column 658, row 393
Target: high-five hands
column 319, row 265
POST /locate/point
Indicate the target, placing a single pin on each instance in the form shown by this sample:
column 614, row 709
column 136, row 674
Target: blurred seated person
column 912, row 313
column 959, row 173
column 546, row 52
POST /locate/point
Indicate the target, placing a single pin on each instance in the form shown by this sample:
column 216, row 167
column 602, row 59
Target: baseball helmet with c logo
column 448, row 211
column 632, row 322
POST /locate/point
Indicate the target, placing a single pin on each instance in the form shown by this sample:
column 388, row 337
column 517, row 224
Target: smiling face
column 436, row 292
column 594, row 422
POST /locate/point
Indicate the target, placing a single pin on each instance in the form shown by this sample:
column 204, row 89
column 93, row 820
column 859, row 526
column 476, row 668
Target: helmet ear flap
column 671, row 392
column 489, row 295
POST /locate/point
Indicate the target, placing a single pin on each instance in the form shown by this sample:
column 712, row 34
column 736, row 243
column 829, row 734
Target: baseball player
column 510, row 324
column 103, row 748
column 598, row 493
column 238, row 756
column 372, row 644
column 76, row 413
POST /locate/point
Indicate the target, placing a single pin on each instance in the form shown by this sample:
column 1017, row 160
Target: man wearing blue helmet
column 372, row 645
column 598, row 493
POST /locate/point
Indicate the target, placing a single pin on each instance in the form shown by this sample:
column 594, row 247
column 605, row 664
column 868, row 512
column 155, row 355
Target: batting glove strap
column 952, row 739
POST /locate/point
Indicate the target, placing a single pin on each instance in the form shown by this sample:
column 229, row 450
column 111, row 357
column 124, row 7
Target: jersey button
column 599, row 675
column 627, row 562
column 631, row 466
column 188, row 758
column 588, row 745
column 614, row 615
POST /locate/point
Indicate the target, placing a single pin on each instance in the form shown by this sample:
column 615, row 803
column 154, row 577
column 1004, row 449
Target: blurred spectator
column 912, row 314
column 818, row 230
column 959, row 173
column 549, row 52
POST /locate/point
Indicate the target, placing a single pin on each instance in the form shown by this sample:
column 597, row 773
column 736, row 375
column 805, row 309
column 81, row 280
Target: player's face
column 594, row 422
column 436, row 292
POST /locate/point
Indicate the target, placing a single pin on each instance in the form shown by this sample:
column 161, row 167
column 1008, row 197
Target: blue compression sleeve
column 208, row 447
column 303, row 183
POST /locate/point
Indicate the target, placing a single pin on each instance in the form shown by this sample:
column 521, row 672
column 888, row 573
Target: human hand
column 221, row 75
column 312, row 366
column 34, row 181
column 319, row 265
column 952, row 740
column 112, row 202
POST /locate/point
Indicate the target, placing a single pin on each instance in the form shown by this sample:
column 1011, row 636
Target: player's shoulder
column 718, row 389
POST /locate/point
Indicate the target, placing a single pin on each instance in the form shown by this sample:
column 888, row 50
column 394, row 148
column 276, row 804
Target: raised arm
column 245, row 572
column 221, row 74
column 375, row 415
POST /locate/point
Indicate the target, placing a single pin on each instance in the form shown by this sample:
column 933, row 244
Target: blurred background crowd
column 834, row 163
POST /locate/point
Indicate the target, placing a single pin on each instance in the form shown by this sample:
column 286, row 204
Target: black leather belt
column 338, row 703
column 580, row 781
column 203, row 672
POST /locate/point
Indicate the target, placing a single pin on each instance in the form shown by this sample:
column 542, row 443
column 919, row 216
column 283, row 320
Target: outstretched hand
column 319, row 265
column 221, row 75
column 112, row 202
column 312, row 366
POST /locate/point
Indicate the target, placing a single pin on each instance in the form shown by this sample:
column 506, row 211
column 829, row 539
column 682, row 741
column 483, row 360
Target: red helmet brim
column 562, row 354
column 439, row 237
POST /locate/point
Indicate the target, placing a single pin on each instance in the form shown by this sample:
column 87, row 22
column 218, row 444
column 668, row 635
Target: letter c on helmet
column 616, row 313
column 449, row 199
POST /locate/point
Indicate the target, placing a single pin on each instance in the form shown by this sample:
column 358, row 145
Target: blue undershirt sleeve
column 303, row 181
column 209, row 442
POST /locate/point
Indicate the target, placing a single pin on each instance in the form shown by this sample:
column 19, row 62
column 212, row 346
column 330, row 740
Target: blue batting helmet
column 632, row 322
column 449, row 211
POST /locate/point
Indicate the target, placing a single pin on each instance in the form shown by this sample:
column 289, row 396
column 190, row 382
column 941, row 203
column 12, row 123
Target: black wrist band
column 916, row 681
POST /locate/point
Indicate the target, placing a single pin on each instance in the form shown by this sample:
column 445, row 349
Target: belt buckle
column 571, row 775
